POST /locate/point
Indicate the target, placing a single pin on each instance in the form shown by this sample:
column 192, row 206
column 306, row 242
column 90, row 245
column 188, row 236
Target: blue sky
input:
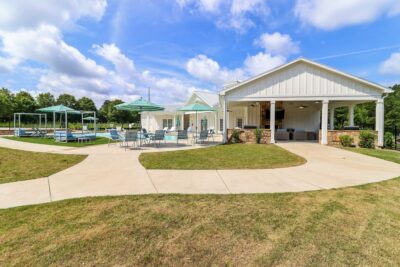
column 117, row 49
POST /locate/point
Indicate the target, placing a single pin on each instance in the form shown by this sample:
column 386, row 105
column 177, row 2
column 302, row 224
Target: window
column 167, row 123
column 221, row 125
column 239, row 123
column 204, row 124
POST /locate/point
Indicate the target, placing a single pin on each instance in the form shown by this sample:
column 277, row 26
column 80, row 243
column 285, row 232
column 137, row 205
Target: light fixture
column 302, row 107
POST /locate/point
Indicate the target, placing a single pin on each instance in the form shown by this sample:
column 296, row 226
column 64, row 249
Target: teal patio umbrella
column 196, row 107
column 90, row 118
column 139, row 105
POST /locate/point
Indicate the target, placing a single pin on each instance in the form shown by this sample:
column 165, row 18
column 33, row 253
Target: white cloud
column 329, row 15
column 45, row 45
column 391, row 65
column 278, row 44
column 206, row 69
column 262, row 62
column 232, row 14
column 112, row 53
column 18, row 14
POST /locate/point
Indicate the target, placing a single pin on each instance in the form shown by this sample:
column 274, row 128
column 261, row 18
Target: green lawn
column 18, row 165
column 237, row 156
column 345, row 227
column 50, row 141
column 389, row 155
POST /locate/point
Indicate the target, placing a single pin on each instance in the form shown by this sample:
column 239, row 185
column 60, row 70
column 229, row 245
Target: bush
column 346, row 140
column 236, row 136
column 258, row 133
column 367, row 139
column 389, row 140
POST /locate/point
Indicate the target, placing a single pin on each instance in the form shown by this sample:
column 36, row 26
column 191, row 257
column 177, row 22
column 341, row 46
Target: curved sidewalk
column 114, row 171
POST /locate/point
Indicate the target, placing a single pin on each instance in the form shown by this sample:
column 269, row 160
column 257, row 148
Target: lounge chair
column 64, row 136
column 173, row 129
column 182, row 135
column 39, row 132
column 282, row 134
column 158, row 137
column 165, row 129
column 203, row 136
column 22, row 133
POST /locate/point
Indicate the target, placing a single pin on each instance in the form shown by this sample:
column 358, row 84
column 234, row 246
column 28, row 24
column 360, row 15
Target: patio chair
column 129, row 136
column 114, row 136
column 203, row 136
column 145, row 135
column 282, row 135
column 300, row 135
column 211, row 133
column 165, row 129
column 173, row 129
column 158, row 137
column 182, row 135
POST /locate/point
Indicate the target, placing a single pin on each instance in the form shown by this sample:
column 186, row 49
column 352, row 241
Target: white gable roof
column 209, row 98
column 322, row 67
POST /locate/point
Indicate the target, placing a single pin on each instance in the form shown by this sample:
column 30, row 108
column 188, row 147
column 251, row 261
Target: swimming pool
column 168, row 137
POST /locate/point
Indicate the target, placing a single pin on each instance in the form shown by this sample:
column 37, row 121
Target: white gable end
column 303, row 80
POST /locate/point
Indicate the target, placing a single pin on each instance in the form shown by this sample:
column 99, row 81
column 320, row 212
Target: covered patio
column 297, row 101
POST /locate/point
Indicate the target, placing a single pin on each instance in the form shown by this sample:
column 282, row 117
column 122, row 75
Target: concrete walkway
column 115, row 171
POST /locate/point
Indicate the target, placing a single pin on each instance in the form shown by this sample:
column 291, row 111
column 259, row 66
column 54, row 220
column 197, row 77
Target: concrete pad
column 102, row 175
column 24, row 193
column 187, row 182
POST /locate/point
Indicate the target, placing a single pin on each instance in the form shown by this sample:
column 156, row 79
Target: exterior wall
column 248, row 136
column 210, row 116
column 303, row 80
column 334, row 136
column 308, row 119
column 155, row 121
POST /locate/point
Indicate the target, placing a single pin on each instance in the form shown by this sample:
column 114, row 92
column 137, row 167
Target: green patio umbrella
column 139, row 105
column 90, row 119
column 196, row 107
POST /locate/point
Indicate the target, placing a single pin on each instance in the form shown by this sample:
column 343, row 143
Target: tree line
column 23, row 101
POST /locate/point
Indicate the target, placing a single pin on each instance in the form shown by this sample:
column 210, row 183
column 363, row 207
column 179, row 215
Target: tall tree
column 6, row 105
column 109, row 113
column 45, row 100
column 24, row 102
column 86, row 104
column 67, row 100
column 392, row 108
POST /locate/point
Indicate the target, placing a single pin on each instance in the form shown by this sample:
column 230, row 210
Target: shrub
column 236, row 136
column 367, row 139
column 389, row 140
column 258, row 133
column 346, row 140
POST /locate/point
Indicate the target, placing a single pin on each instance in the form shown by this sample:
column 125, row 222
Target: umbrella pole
column 196, row 126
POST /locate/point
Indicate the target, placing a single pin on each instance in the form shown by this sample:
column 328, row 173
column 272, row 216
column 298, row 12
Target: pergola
column 40, row 115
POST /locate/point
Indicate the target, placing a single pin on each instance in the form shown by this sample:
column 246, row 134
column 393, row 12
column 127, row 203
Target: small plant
column 258, row 133
column 346, row 140
column 367, row 139
column 389, row 140
column 236, row 136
